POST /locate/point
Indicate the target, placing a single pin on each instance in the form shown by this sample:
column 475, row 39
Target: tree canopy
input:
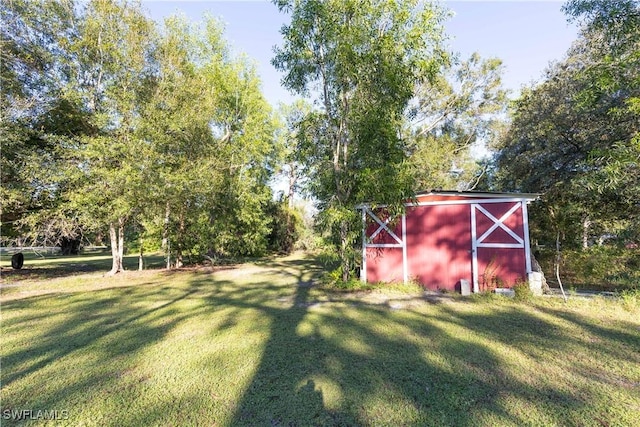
column 459, row 112
column 359, row 61
column 116, row 123
column 575, row 136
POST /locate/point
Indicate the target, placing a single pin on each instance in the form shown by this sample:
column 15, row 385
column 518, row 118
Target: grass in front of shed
column 258, row 344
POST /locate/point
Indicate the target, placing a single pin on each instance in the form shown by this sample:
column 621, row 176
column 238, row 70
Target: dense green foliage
column 600, row 268
column 34, row 71
column 452, row 118
column 286, row 226
column 113, row 125
column 360, row 61
column 575, row 137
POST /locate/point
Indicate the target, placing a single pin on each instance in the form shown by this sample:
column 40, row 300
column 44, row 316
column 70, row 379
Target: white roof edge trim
column 469, row 198
column 480, row 194
column 471, row 201
column 456, row 202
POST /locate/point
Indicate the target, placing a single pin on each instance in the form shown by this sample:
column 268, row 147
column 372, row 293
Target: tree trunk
column 344, row 250
column 116, row 239
column 99, row 240
column 168, row 254
column 113, row 241
column 292, row 184
column 121, row 222
column 557, row 266
column 141, row 256
column 586, row 225
column 181, row 228
column 165, row 229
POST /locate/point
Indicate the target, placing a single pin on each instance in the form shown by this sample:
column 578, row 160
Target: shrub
column 333, row 281
column 522, row 292
column 605, row 268
column 285, row 227
column 630, row 299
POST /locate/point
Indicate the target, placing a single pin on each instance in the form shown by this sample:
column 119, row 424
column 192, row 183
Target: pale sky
column 525, row 35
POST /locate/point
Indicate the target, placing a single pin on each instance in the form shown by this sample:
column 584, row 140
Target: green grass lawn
column 46, row 266
column 258, row 344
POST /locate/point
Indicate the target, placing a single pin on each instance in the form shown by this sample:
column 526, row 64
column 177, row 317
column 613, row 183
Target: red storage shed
column 446, row 238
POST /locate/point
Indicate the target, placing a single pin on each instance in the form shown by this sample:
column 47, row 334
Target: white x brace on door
column 367, row 241
column 479, row 242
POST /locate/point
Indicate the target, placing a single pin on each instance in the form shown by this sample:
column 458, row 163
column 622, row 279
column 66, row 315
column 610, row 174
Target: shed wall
column 439, row 242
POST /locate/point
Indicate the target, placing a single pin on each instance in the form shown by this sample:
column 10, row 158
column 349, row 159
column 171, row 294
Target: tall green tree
column 613, row 29
column 114, row 52
column 35, row 66
column 454, row 118
column 359, row 61
column 176, row 124
column 211, row 131
column 574, row 137
column 291, row 156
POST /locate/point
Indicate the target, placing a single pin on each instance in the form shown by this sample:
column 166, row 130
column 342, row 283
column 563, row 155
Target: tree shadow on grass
column 333, row 365
column 87, row 347
column 90, row 323
column 57, row 266
column 581, row 365
column 309, row 363
column 542, row 328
